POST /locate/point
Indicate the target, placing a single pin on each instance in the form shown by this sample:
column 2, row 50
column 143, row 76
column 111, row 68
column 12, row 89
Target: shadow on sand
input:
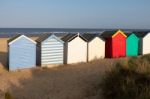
column 3, row 59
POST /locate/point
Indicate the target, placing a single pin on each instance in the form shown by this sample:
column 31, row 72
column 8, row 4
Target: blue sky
column 75, row 14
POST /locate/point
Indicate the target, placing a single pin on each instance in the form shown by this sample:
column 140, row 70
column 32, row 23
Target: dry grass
column 128, row 79
column 77, row 81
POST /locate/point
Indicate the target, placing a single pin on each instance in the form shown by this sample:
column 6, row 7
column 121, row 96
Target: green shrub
column 130, row 80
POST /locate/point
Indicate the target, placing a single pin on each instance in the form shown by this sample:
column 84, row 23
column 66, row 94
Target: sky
column 129, row 14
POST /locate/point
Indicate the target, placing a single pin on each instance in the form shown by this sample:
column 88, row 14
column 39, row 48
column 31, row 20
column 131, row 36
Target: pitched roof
column 13, row 38
column 131, row 34
column 128, row 34
column 60, row 35
column 140, row 34
column 46, row 35
column 43, row 37
column 108, row 34
column 71, row 36
column 89, row 37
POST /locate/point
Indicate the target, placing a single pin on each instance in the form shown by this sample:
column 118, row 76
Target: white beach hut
column 75, row 48
column 144, row 40
column 96, row 46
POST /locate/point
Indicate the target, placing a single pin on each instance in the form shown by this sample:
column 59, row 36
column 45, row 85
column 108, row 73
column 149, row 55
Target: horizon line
column 69, row 28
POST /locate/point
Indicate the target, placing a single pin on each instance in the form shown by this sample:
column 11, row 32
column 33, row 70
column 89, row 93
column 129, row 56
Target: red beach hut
column 115, row 44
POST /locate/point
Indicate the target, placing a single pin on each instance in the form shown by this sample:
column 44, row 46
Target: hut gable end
column 89, row 37
column 112, row 34
column 70, row 37
column 16, row 38
column 119, row 32
column 133, row 36
column 51, row 38
column 147, row 36
column 47, row 36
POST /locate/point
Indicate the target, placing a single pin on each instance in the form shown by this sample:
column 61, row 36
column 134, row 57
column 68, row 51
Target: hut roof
column 140, row 34
column 60, row 35
column 11, row 40
column 69, row 37
column 43, row 37
column 89, row 37
column 108, row 34
column 47, row 35
column 128, row 34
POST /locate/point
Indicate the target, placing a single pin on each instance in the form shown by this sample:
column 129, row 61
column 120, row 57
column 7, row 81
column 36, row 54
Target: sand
column 78, row 81
column 3, row 52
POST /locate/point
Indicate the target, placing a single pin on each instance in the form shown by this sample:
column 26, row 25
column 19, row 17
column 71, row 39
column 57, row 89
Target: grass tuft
column 128, row 80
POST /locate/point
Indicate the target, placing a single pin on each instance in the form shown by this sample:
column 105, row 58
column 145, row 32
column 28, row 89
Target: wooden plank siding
column 22, row 54
column 132, row 45
column 52, row 51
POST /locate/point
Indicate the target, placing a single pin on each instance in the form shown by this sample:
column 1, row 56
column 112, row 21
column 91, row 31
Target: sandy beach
column 3, row 52
column 76, row 81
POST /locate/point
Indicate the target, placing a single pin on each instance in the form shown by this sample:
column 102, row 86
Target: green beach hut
column 132, row 45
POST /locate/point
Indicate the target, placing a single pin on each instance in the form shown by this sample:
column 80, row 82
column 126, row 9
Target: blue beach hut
column 21, row 53
column 50, row 50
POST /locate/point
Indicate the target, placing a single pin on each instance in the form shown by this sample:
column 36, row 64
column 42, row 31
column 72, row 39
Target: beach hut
column 21, row 52
column 50, row 50
column 144, row 40
column 132, row 45
column 95, row 47
column 75, row 48
column 115, row 43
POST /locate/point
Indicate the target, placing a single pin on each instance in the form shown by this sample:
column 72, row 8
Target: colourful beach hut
column 50, row 50
column 75, row 49
column 115, row 43
column 144, row 40
column 132, row 45
column 96, row 46
column 21, row 52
